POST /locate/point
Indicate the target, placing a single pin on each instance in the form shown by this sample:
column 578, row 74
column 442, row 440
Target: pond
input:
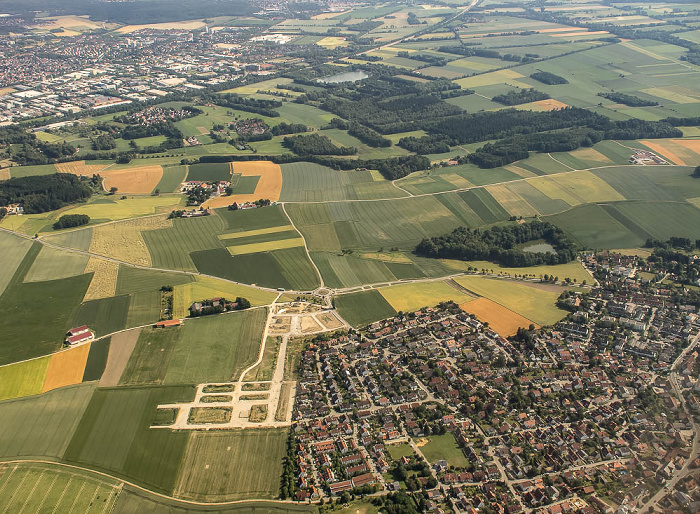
column 539, row 248
column 348, row 76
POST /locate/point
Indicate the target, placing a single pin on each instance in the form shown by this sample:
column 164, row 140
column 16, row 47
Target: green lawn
column 444, row 447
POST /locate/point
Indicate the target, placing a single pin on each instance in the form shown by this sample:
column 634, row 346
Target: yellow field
column 456, row 180
column 140, row 180
column 5, row 174
column 79, row 168
column 265, row 247
column 576, row 188
column 504, row 321
column 332, row 42
column 68, row 22
column 182, row 25
column 520, row 171
column 124, row 241
column 66, row 367
column 257, row 232
column 693, row 145
column 269, row 186
column 530, row 302
column 6, row 90
column 129, row 208
column 667, row 93
column 104, row 278
column 328, row 15
column 23, row 378
column 253, row 88
column 411, row 297
column 495, row 77
column 511, row 201
column 664, row 152
column 574, row 269
column 207, row 287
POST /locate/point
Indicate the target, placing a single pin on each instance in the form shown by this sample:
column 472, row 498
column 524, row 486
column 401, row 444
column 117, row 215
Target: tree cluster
column 366, row 135
column 71, row 220
column 316, row 144
column 520, row 96
column 45, row 193
column 548, row 78
column 499, row 244
column 631, row 100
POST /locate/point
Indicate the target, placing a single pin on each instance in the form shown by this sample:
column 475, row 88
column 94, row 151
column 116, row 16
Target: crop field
column 96, row 360
column 104, row 278
column 269, row 185
column 42, row 426
column 208, row 287
column 659, row 220
column 121, row 346
column 78, row 239
column 23, row 378
column 79, row 168
column 573, row 270
column 141, row 180
column 216, row 348
column 12, row 252
column 172, row 177
column 150, row 357
column 125, row 241
column 29, row 331
column 444, row 447
column 52, row 264
column 231, row 465
column 348, row 270
column 66, row 367
column 266, row 246
column 144, row 308
column 34, row 488
column 530, row 302
column 114, row 436
column 210, row 171
column 593, row 227
column 363, row 307
column 104, row 316
column 137, row 280
column 504, row 321
column 412, row 297
column 130, row 501
column 113, row 209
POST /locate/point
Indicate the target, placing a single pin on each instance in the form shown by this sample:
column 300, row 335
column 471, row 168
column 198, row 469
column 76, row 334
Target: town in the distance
column 353, row 257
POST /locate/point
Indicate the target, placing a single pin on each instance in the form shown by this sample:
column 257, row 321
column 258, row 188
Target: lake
column 348, row 76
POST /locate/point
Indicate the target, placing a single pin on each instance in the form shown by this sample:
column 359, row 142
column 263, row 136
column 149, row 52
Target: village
column 594, row 415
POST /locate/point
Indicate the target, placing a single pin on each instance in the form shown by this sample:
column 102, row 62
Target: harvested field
column 66, row 367
column 174, row 25
column 691, row 144
column 329, row 320
column 209, row 415
column 104, row 279
column 269, row 186
column 266, row 246
column 411, row 297
column 141, row 180
column 504, row 321
column 79, row 168
column 5, row 174
column 120, row 349
column 124, row 240
column 664, row 152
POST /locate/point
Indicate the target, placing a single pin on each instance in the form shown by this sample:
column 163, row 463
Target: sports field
column 412, row 297
column 231, row 465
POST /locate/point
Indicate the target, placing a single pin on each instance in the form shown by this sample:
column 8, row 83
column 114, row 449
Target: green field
column 53, row 264
column 42, row 426
column 35, row 316
column 363, row 307
column 130, row 502
column 412, row 297
column 135, row 280
column 12, row 251
column 97, row 359
column 149, row 361
column 40, row 487
column 231, row 465
column 23, row 378
column 216, row 348
column 444, row 447
column 103, row 316
column 173, row 176
column 210, row 172
column 114, row 436
column 533, row 303
column 78, row 239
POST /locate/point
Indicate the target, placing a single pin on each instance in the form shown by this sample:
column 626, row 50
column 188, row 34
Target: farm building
column 169, row 323
column 79, row 335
